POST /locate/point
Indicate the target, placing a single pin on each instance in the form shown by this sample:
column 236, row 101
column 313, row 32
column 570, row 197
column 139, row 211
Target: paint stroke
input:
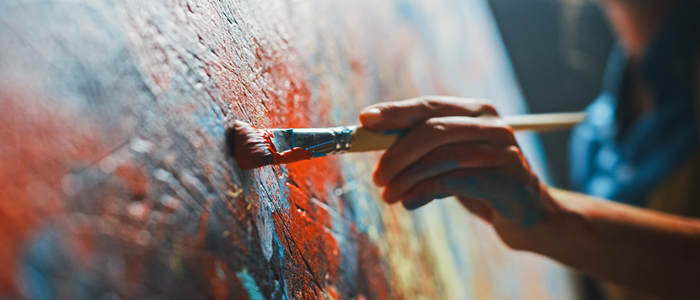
column 293, row 155
column 250, row 286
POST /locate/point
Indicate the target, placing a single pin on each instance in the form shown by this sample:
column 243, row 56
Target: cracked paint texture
column 115, row 184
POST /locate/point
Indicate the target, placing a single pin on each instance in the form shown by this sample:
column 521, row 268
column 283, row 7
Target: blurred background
column 558, row 49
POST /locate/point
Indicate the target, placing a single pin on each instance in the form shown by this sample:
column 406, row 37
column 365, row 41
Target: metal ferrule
column 331, row 140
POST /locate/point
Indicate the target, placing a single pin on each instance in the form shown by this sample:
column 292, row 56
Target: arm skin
column 461, row 148
column 639, row 248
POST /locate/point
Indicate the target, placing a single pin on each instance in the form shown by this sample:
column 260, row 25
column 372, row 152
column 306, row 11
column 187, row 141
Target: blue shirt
column 627, row 165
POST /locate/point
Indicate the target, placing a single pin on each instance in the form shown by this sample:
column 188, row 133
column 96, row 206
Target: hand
column 458, row 147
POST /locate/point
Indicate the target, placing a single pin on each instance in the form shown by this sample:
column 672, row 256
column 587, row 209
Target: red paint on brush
column 278, row 96
column 253, row 148
column 289, row 156
column 294, row 155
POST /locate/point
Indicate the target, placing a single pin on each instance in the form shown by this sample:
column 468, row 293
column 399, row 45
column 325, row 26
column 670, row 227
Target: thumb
column 408, row 113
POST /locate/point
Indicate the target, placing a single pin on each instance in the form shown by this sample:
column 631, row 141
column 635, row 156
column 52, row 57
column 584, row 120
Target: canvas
column 115, row 182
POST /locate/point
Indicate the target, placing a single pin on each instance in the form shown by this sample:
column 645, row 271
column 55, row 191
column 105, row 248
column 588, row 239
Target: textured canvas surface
column 115, row 184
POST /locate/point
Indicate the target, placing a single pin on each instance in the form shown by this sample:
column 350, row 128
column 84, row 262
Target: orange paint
column 289, row 156
column 136, row 182
column 43, row 143
column 282, row 99
column 218, row 279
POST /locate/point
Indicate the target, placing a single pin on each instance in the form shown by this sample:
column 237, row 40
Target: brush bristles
column 248, row 146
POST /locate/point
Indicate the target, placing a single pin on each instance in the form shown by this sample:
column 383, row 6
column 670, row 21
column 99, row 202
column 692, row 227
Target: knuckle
column 480, row 107
column 514, row 151
column 499, row 128
column 384, row 107
column 480, row 155
column 502, row 130
column 513, row 154
column 431, row 103
column 437, row 129
column 487, row 108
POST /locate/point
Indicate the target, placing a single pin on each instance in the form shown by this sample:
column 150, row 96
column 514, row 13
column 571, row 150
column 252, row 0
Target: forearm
column 639, row 248
column 460, row 147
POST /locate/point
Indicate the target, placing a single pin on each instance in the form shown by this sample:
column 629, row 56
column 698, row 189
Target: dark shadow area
column 558, row 50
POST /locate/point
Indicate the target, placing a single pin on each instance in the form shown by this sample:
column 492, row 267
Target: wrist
column 537, row 237
column 565, row 225
column 541, row 236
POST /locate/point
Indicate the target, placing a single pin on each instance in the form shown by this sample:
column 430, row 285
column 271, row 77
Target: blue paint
column 280, row 248
column 529, row 220
column 321, row 144
column 405, row 10
column 274, row 197
column 399, row 132
column 417, row 202
column 283, row 192
column 279, row 286
column 510, row 198
column 445, row 166
column 250, row 285
column 318, row 154
column 358, row 194
column 47, row 263
column 433, row 169
column 211, row 121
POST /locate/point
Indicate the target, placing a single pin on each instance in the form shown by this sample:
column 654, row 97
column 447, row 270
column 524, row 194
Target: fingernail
column 372, row 116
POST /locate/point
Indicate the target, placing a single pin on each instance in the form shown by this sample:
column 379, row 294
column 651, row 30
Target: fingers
column 437, row 132
column 504, row 192
column 462, row 182
column 498, row 186
column 478, row 207
column 447, row 158
column 408, row 113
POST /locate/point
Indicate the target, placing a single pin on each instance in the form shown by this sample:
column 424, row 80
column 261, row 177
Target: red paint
column 40, row 142
column 253, row 148
column 134, row 180
column 277, row 95
column 289, row 156
column 372, row 281
column 311, row 252
column 218, row 278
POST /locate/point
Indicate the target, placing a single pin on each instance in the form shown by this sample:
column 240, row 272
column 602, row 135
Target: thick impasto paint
column 115, row 181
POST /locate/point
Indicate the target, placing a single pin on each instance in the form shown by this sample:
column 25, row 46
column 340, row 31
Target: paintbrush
column 254, row 148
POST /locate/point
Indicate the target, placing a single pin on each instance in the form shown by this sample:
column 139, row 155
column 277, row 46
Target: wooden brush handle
column 544, row 122
column 366, row 140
